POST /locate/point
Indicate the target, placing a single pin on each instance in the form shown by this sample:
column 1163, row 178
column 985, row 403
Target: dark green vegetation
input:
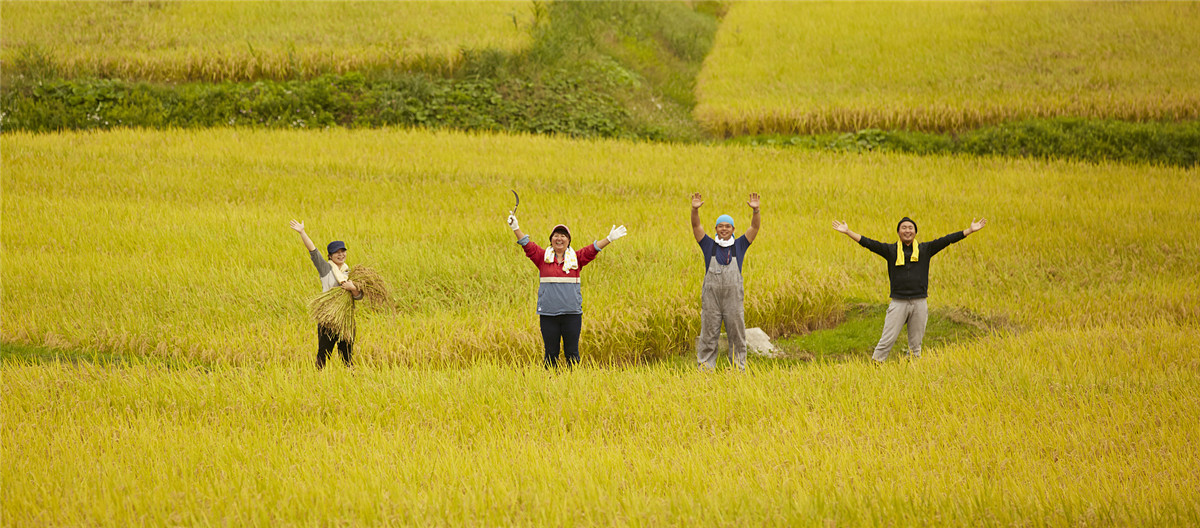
column 596, row 69
column 1176, row 144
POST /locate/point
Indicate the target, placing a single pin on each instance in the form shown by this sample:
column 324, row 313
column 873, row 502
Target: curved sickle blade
column 518, row 201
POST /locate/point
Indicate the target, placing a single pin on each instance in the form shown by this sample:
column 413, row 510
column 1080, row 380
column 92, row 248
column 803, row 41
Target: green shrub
column 1176, row 144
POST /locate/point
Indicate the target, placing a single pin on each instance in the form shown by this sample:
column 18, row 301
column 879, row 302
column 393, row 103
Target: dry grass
column 335, row 308
column 800, row 67
column 234, row 41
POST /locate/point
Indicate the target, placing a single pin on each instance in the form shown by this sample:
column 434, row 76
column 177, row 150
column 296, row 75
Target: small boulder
column 757, row 343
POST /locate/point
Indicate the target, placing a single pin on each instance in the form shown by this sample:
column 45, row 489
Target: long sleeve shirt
column 559, row 292
column 325, row 271
column 910, row 281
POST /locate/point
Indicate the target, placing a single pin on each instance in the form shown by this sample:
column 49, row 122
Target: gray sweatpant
column 721, row 301
column 915, row 313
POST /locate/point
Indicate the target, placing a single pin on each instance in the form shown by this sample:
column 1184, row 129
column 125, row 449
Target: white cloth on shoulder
column 341, row 273
column 569, row 260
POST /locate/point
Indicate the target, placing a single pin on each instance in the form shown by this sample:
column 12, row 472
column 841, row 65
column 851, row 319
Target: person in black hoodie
column 908, row 273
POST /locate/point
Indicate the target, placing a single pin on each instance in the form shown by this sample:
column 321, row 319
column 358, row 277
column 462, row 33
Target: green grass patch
column 858, row 333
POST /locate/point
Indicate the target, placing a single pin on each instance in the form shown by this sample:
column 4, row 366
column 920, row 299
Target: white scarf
column 339, row 273
column 569, row 262
column 726, row 242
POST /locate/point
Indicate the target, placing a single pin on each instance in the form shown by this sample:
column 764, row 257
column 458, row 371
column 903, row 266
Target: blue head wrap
column 725, row 219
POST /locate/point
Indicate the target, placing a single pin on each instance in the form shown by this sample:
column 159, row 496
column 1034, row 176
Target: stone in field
column 757, row 343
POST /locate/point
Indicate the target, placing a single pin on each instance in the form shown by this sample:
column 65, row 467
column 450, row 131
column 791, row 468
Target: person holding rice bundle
column 722, row 294
column 560, row 297
column 908, row 275
column 333, row 274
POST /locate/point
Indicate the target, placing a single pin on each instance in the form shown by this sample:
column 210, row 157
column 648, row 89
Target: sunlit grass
column 802, row 67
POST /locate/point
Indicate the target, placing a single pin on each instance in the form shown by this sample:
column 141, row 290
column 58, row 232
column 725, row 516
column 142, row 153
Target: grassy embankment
column 176, row 243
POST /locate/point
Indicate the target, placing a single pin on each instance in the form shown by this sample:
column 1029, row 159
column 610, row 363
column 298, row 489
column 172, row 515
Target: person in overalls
column 721, row 297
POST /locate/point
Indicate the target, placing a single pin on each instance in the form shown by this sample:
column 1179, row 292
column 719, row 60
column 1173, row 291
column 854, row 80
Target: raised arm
column 299, row 228
column 512, row 224
column 697, row 229
column 976, row 225
column 614, row 233
column 755, row 221
column 844, row 229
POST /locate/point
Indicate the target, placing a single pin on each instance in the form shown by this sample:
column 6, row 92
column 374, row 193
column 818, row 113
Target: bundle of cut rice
column 334, row 309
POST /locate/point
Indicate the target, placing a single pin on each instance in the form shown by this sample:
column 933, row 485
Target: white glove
column 512, row 222
column 615, row 233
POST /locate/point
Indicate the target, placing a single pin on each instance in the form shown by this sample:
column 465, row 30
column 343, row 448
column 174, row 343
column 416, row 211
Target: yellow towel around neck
column 900, row 252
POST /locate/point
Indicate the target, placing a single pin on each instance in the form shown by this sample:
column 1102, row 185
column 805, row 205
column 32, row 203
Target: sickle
column 514, row 211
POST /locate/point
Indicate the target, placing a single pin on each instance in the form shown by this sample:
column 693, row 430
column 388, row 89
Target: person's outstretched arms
column 844, row 229
column 755, row 221
column 697, row 229
column 512, row 224
column 613, row 234
column 299, row 228
column 976, row 225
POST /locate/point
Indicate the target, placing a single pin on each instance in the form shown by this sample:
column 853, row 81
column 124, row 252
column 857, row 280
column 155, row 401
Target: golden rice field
column 800, row 67
column 1078, row 410
column 220, row 41
column 176, row 244
column 1057, row 427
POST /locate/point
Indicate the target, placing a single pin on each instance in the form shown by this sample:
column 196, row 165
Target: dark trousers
column 565, row 327
column 326, row 338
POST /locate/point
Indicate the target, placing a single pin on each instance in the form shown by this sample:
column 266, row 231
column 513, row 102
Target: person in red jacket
column 560, row 298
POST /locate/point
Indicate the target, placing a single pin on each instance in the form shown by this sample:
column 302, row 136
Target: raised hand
column 754, row 201
column 976, row 225
column 298, row 226
column 697, row 201
column 616, row 232
column 512, row 221
column 841, row 227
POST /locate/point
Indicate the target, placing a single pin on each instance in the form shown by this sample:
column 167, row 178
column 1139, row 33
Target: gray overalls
column 721, row 300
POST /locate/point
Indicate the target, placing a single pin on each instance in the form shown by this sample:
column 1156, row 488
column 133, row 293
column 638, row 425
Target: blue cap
column 335, row 246
column 725, row 219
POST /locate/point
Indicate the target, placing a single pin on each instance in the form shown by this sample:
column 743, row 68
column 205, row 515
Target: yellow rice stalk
column 335, row 308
